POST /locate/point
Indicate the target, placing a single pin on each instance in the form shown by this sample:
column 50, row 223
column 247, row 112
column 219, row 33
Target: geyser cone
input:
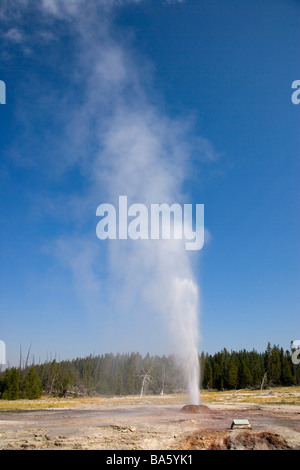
column 196, row 409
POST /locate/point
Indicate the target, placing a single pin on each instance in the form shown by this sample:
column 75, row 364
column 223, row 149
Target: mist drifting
column 123, row 144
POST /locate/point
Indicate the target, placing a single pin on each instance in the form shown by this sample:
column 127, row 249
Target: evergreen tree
column 267, row 361
column 31, row 385
column 286, row 377
column 231, row 375
column 255, row 367
column 11, row 384
column 275, row 366
column 244, row 374
column 208, row 375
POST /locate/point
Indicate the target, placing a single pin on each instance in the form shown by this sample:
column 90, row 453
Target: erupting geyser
column 185, row 316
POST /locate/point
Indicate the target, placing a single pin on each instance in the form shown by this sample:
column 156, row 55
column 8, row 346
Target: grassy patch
column 279, row 395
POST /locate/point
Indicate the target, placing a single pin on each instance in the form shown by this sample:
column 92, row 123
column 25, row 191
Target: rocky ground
column 155, row 423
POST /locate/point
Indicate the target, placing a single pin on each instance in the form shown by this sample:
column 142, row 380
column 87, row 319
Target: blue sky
column 203, row 91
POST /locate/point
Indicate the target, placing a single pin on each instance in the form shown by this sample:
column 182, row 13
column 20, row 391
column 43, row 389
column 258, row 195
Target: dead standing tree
column 263, row 380
column 146, row 381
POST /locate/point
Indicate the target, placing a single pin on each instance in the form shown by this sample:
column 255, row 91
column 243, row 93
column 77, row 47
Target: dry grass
column 277, row 395
column 274, row 396
column 83, row 402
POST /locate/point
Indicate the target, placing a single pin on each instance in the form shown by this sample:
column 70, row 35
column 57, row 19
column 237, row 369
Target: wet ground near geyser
column 138, row 426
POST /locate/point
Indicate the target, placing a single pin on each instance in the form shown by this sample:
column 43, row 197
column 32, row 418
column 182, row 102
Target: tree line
column 133, row 374
column 243, row 369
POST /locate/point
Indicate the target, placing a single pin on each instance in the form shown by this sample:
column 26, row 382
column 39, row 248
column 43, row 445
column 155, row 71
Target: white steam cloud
column 139, row 152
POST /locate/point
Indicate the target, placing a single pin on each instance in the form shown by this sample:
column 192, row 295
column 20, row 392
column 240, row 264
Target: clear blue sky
column 223, row 69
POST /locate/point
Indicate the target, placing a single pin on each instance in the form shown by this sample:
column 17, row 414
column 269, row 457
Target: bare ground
column 155, row 423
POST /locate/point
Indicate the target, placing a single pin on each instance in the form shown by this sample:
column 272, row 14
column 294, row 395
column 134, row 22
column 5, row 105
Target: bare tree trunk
column 27, row 357
column 163, row 383
column 146, row 380
column 263, row 381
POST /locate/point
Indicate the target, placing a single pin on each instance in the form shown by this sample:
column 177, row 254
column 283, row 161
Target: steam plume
column 137, row 151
